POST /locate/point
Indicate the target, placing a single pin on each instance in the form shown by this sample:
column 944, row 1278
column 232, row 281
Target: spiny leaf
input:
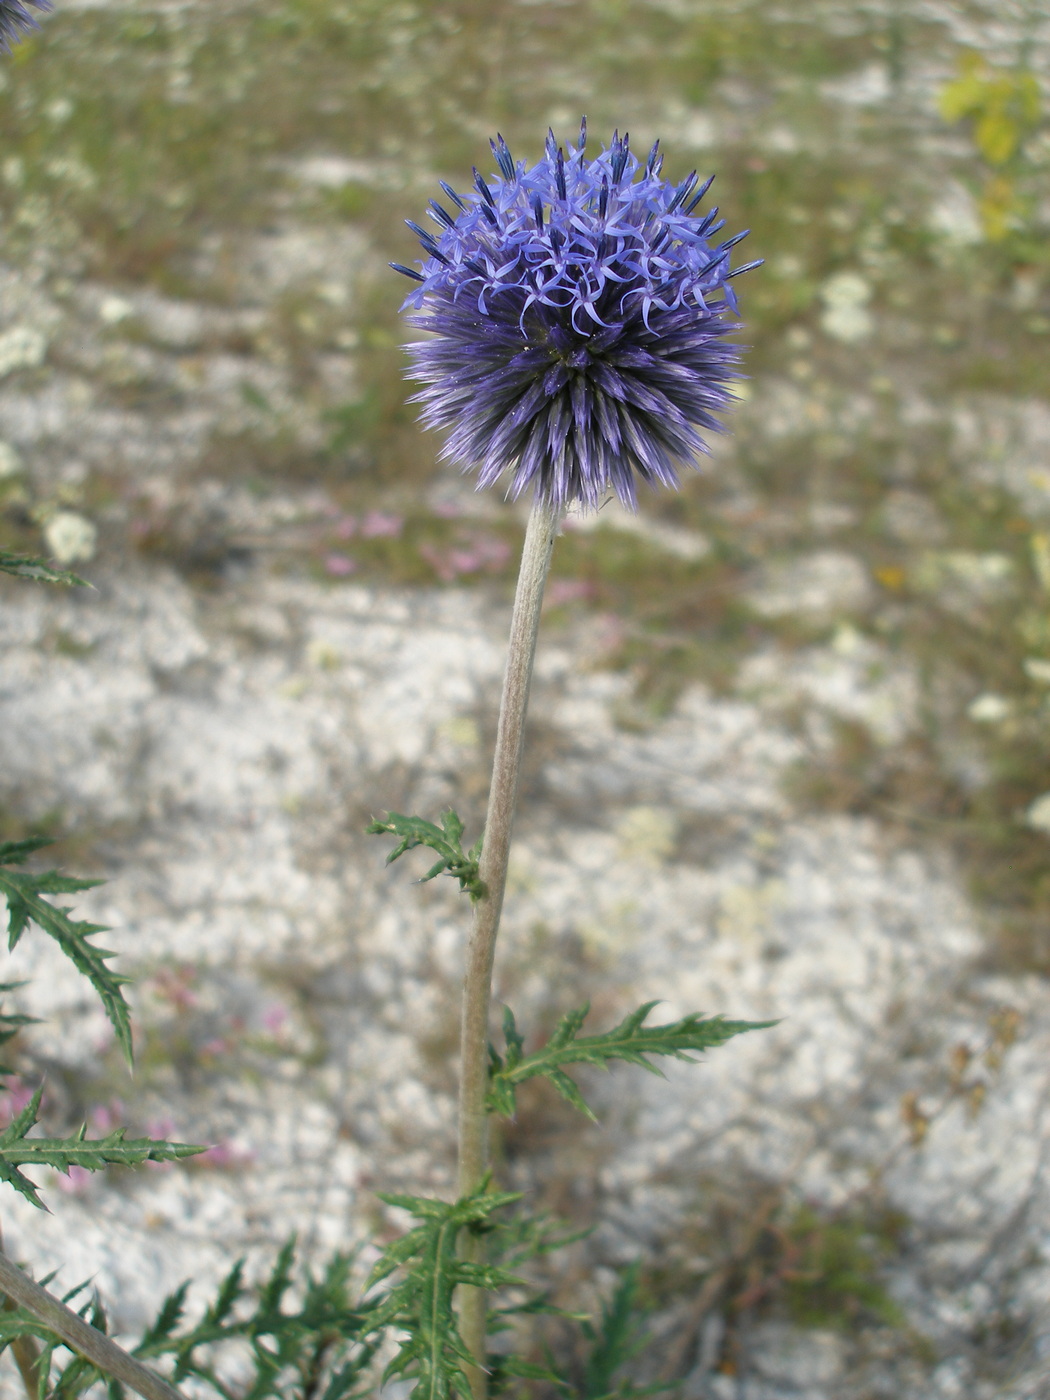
column 617, row 1338
column 22, row 566
column 324, row 1341
column 25, row 905
column 432, row 1352
column 631, row 1040
column 169, row 1317
column 445, row 839
column 12, row 1022
column 93, row 1154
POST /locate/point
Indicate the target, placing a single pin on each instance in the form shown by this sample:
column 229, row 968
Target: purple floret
column 578, row 317
column 15, row 20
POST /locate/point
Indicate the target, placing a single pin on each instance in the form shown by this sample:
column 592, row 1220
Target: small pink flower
column 105, row 1117
column 339, row 565
column 173, row 985
column 216, row 1046
column 568, row 590
column 16, row 1096
column 222, row 1156
column 493, row 552
column 437, row 561
column 274, row 1018
column 488, row 552
column 76, row 1181
column 378, row 524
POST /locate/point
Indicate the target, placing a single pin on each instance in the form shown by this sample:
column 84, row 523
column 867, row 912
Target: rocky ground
column 788, row 741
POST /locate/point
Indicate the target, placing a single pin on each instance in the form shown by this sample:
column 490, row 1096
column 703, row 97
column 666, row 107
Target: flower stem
column 473, row 1123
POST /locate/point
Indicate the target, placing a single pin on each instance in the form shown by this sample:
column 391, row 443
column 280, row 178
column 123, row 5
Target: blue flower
column 15, row 20
column 578, row 315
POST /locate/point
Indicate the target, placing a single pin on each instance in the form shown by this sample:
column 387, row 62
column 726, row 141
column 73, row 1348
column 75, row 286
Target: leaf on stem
column 631, row 1040
column 317, row 1337
column 316, row 1345
column 445, row 839
column 433, row 1353
column 92, row 1154
column 25, row 904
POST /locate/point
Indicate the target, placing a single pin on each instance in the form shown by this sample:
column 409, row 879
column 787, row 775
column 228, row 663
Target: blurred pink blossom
column 346, row 528
column 568, row 590
column 104, row 1117
column 15, row 1097
column 76, row 1181
column 174, row 985
column 479, row 552
column 378, row 524
column 339, row 565
column 274, row 1018
column 223, row 1156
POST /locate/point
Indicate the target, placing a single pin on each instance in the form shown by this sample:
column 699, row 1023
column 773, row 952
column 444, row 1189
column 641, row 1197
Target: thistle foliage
column 24, row 566
column 26, row 903
column 18, row 1150
column 632, row 1041
column 420, row 1303
column 445, row 839
column 304, row 1337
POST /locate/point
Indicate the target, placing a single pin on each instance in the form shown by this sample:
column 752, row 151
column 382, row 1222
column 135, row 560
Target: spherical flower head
column 15, row 20
column 578, row 311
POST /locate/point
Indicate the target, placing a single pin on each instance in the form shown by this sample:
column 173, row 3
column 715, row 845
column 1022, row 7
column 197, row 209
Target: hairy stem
column 80, row 1336
column 477, row 982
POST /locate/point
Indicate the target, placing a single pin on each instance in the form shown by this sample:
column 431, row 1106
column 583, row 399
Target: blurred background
column 790, row 751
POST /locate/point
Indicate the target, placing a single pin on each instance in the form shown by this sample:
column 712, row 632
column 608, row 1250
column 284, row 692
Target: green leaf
column 632, row 1040
column 12, row 1022
column 25, row 904
column 93, row 1154
column 420, row 1304
column 22, row 566
column 320, row 1344
column 618, row 1338
column 445, row 839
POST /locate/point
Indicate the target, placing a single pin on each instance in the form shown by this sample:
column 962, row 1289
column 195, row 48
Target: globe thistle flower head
column 578, row 311
column 15, row 20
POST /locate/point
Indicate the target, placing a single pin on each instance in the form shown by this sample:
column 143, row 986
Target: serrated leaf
column 169, row 1317
column 618, row 1338
column 11, row 1022
column 92, row 1154
column 25, row 904
column 420, row 1304
column 632, row 1041
column 569, row 1091
column 319, row 1344
column 445, row 839
column 23, row 566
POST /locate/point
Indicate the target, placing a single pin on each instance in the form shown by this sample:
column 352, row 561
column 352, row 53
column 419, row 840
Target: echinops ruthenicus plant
column 576, row 313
